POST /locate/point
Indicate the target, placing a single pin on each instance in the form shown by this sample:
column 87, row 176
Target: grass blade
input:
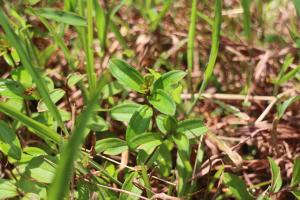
column 166, row 6
column 191, row 37
column 247, row 19
column 89, row 49
column 102, row 20
column 71, row 149
column 40, row 129
column 41, row 86
column 213, row 52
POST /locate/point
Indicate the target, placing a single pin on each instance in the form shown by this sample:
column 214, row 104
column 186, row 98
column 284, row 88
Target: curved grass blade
column 71, row 150
column 61, row 16
column 40, row 129
column 15, row 41
column 213, row 52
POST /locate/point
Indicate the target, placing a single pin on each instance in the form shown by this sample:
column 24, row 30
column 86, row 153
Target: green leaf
column 74, row 78
column 236, row 186
column 98, row 124
column 102, row 20
column 19, row 45
column 169, row 80
column 162, row 102
column 139, row 122
column 282, row 107
column 7, row 189
column 126, row 74
column 71, row 149
column 40, row 129
column 11, row 89
column 296, row 173
column 55, row 95
column 124, row 111
column 61, row 16
column 289, row 76
column 111, row 89
column 40, row 169
column 247, row 18
column 30, row 153
column 9, row 142
column 164, row 159
column 21, row 75
column 111, row 146
column 192, row 128
column 276, row 176
column 145, row 139
column 184, row 166
column 130, row 187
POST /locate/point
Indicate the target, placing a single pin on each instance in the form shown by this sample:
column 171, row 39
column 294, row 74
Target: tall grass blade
column 71, row 149
column 89, row 49
column 247, row 19
column 41, row 86
column 191, row 37
column 102, row 20
column 213, row 52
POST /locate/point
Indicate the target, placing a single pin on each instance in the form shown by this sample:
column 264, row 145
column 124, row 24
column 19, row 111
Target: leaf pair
column 161, row 90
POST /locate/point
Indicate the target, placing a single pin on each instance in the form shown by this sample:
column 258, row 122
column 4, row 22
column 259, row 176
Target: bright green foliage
column 276, row 176
column 236, row 186
column 9, row 142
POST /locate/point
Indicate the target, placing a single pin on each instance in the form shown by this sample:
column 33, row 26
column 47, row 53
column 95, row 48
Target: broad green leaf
column 98, row 124
column 21, row 75
column 192, row 128
column 74, row 78
column 61, row 16
column 40, row 169
column 130, row 187
column 19, row 45
column 164, row 159
column 30, row 153
column 145, row 139
column 71, row 149
column 111, row 146
column 139, row 122
column 11, row 89
column 111, row 89
column 40, row 129
column 124, row 111
column 236, row 186
column 162, row 102
column 55, row 96
column 160, row 123
column 296, row 173
column 184, row 166
column 276, row 176
column 7, row 189
column 126, row 75
column 169, row 80
column 282, row 107
column 9, row 142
